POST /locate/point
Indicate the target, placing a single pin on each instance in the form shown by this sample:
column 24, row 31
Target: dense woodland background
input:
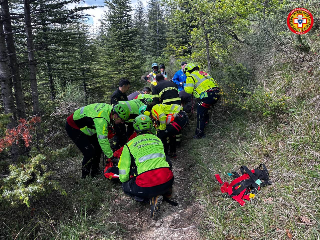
column 52, row 62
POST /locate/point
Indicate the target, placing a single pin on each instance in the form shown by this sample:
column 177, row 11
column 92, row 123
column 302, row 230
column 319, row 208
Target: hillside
column 283, row 134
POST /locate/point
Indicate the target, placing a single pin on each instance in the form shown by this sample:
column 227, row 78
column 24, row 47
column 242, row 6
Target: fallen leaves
column 305, row 220
column 289, row 234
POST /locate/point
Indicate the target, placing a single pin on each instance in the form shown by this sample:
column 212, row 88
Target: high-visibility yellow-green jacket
column 143, row 96
column 161, row 111
column 153, row 75
column 199, row 82
column 147, row 152
column 95, row 119
column 133, row 106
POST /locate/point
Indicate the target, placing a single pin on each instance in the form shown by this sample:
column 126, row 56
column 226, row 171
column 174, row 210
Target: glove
column 113, row 159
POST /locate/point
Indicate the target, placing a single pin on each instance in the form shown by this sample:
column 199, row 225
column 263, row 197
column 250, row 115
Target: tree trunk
column 46, row 48
column 32, row 61
column 6, row 86
column 51, row 82
column 85, row 86
column 21, row 110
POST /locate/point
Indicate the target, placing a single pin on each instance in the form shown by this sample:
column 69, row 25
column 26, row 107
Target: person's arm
column 114, row 99
column 155, row 95
column 102, row 134
column 162, row 121
column 175, row 78
column 124, row 165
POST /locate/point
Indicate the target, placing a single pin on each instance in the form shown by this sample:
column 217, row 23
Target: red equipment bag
column 111, row 171
column 246, row 186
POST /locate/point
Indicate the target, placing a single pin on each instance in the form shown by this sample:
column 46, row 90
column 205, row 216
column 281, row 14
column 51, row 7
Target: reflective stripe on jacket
column 168, row 91
column 133, row 106
column 199, row 82
column 147, row 152
column 162, row 111
column 95, row 119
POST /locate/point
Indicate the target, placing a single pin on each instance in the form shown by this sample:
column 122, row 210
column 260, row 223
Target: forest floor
column 171, row 222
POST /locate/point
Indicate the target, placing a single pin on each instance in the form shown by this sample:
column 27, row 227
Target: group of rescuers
column 144, row 127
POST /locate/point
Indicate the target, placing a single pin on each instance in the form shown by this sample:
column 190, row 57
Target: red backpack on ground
column 246, row 186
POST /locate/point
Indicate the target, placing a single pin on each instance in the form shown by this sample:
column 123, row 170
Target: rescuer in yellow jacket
column 204, row 88
column 169, row 121
column 88, row 127
column 144, row 159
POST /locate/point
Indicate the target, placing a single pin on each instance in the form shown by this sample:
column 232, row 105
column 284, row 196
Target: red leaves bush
column 22, row 131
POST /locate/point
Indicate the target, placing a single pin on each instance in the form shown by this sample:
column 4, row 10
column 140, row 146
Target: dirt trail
column 171, row 222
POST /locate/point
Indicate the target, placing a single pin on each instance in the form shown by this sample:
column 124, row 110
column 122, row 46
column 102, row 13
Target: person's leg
column 163, row 134
column 95, row 169
column 169, row 162
column 120, row 137
column 182, row 120
column 83, row 143
column 172, row 146
column 132, row 189
column 202, row 111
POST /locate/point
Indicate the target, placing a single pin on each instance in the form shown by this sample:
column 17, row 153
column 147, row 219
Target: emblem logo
column 300, row 21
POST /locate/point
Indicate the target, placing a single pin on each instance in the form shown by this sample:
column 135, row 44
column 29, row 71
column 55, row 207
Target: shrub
column 269, row 103
column 21, row 132
column 26, row 181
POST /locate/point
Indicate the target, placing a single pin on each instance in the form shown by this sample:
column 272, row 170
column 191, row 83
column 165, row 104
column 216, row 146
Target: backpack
column 245, row 187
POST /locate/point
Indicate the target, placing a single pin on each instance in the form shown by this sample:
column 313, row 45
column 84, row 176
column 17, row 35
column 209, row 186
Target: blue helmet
column 154, row 65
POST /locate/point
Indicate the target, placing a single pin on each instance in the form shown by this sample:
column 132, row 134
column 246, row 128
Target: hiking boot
column 168, row 194
column 95, row 172
column 199, row 136
column 155, row 204
column 173, row 155
column 138, row 199
column 85, row 173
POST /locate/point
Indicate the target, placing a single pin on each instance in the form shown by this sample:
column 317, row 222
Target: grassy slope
column 289, row 145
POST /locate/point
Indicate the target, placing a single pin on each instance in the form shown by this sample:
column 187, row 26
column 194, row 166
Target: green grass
column 288, row 145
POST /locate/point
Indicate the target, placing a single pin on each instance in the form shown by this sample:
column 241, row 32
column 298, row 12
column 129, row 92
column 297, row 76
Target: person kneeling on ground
column 143, row 157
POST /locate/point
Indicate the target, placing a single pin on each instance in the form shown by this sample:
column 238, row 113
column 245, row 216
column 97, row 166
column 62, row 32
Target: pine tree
column 14, row 67
column 31, row 57
column 156, row 34
column 179, row 27
column 140, row 23
column 119, row 42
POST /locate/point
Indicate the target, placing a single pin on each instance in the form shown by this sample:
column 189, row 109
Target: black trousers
column 132, row 189
column 203, row 111
column 90, row 148
column 121, row 136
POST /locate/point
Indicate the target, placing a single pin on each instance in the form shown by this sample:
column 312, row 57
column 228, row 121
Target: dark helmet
column 162, row 66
